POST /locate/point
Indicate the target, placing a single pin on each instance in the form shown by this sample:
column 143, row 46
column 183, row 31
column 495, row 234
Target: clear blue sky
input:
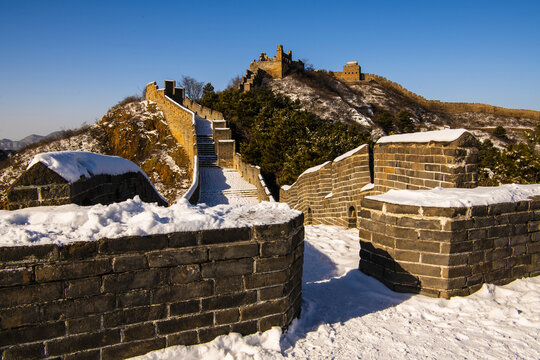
column 63, row 63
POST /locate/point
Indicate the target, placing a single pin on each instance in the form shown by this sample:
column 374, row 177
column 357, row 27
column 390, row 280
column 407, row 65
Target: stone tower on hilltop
column 278, row 67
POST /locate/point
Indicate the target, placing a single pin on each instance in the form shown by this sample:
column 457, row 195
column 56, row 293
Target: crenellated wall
column 447, row 251
column 331, row 193
column 118, row 298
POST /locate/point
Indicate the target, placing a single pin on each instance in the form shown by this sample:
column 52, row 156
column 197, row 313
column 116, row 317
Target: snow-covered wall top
column 72, row 165
column 455, row 197
column 447, row 135
column 349, row 153
column 69, row 223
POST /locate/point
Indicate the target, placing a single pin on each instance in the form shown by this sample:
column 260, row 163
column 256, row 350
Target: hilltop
column 364, row 102
column 135, row 130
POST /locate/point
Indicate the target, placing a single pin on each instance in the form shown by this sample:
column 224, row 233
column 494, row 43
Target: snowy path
column 349, row 315
column 218, row 185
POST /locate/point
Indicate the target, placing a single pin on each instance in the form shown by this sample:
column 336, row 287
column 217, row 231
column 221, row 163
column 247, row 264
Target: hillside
column 360, row 102
column 135, row 130
column 8, row 144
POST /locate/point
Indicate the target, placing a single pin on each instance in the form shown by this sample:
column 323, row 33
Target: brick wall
column 419, row 166
column 252, row 174
column 117, row 298
column 445, row 252
column 181, row 121
column 331, row 193
column 40, row 186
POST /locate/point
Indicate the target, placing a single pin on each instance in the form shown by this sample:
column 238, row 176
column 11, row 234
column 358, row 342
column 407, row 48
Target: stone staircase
column 207, row 151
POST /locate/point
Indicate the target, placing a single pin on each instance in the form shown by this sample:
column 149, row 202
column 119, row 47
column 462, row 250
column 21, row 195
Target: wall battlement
column 118, row 298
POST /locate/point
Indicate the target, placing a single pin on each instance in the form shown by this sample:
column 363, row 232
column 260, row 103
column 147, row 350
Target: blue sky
column 63, row 63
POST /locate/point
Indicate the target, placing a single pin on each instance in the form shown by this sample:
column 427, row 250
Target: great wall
column 116, row 298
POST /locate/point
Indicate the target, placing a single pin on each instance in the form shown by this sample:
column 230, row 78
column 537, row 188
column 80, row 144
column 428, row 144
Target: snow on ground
column 349, row 315
column 68, row 223
column 225, row 186
column 459, row 197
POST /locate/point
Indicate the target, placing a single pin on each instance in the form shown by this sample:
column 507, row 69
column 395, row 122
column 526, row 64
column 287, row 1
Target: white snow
column 349, row 153
column 367, row 187
column 349, row 315
column 329, row 195
column 315, row 168
column 447, row 135
column 72, row 165
column 225, row 186
column 456, row 197
column 68, row 223
column 286, row 187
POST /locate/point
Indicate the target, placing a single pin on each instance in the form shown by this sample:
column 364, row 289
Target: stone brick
column 174, row 325
column 184, row 239
column 83, row 325
column 183, row 338
column 132, row 244
column 245, row 327
column 236, row 251
column 456, row 271
column 227, row 316
column 131, row 349
column 229, row 301
column 183, row 274
column 28, row 254
column 72, row 270
column 227, row 268
column 177, row 257
column 259, row 310
column 121, row 282
column 129, row 263
column 209, row 334
column 412, row 256
column 171, row 294
column 418, row 245
column 253, row 281
column 134, row 315
column 275, row 248
column 444, row 259
column 17, row 276
column 219, row 236
column 272, row 263
column 75, row 343
column 230, row 284
column 138, row 332
column 38, row 293
column 78, row 250
column 32, row 334
column 134, row 298
column 27, row 352
column 268, row 322
column 84, row 355
column 69, row 309
column 272, row 231
column 20, row 316
column 271, row 293
column 421, row 269
column 82, row 287
column 185, row 307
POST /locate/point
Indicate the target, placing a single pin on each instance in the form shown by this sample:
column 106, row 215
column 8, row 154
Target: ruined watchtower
column 351, row 72
column 278, row 67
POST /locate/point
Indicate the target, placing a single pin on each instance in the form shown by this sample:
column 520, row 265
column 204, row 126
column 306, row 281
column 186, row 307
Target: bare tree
column 193, row 87
column 234, row 82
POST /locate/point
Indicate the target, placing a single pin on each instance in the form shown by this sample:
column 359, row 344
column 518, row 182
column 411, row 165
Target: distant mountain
column 7, row 144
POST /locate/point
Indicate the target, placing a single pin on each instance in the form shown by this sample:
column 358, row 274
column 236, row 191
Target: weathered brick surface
column 116, row 298
column 448, row 251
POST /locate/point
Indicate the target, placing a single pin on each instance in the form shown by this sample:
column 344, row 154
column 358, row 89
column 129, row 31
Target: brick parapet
column 420, row 166
column 117, row 298
column 331, row 195
column 181, row 122
column 252, row 174
column 446, row 252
